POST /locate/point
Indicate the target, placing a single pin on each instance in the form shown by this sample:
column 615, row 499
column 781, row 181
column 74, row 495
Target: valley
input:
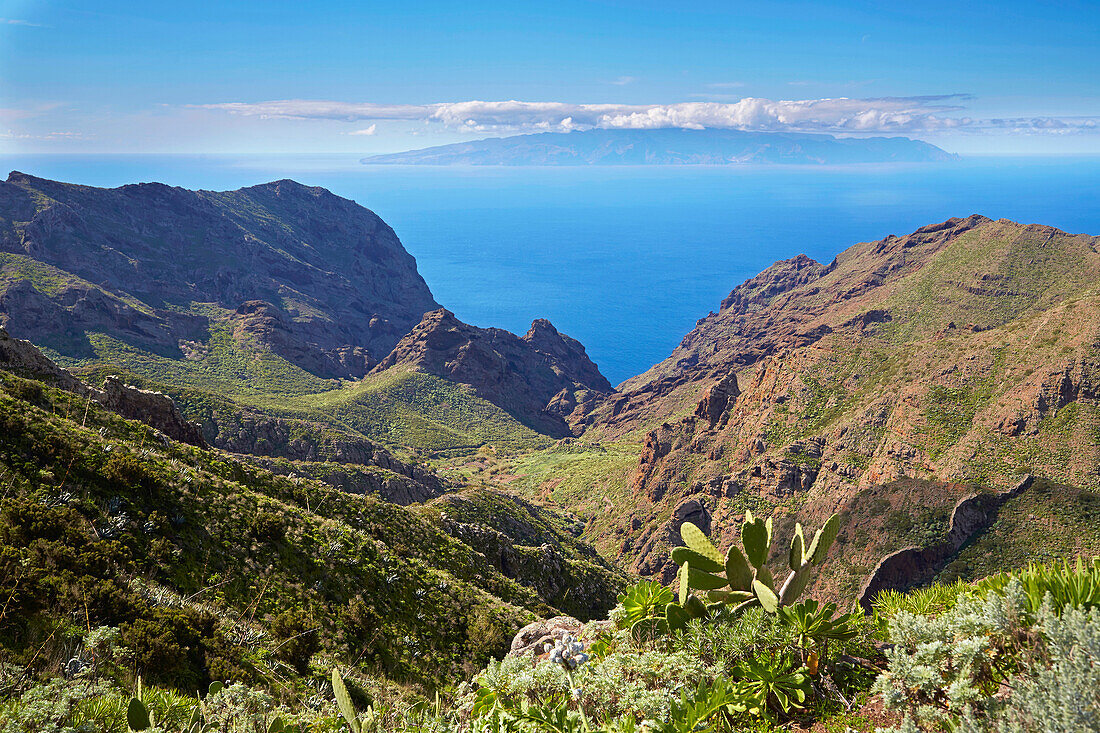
column 239, row 430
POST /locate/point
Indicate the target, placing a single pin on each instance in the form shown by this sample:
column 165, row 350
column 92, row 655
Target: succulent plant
column 742, row 578
column 736, row 578
column 343, row 701
column 137, row 715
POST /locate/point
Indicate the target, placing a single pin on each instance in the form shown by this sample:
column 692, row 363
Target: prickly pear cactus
column 742, row 578
column 137, row 716
column 343, row 701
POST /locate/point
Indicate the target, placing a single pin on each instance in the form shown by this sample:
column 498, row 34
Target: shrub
column 299, row 638
column 169, row 647
column 997, row 663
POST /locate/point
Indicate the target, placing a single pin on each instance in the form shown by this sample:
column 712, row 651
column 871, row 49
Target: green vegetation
column 1045, row 522
column 224, row 376
column 1024, row 653
column 591, row 480
column 129, row 556
column 141, row 576
column 412, row 409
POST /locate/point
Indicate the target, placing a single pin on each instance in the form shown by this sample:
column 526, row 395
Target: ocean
column 626, row 259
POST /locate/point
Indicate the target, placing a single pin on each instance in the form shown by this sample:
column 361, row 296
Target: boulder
column 533, row 636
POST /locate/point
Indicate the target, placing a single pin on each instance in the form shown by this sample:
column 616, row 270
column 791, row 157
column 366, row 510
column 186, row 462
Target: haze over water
column 627, row 258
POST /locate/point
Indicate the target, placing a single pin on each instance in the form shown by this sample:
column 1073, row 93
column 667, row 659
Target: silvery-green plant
column 568, row 652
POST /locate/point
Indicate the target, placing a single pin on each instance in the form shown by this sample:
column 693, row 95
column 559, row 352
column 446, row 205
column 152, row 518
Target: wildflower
column 567, row 651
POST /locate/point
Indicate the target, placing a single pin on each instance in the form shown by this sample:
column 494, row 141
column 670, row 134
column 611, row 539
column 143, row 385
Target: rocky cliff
column 541, row 378
column 316, row 278
column 964, row 354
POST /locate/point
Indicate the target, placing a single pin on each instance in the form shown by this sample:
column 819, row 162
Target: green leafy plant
column 367, row 723
column 1074, row 585
column 815, row 623
column 742, row 578
column 695, row 708
column 137, row 715
column 769, row 683
column 929, row 601
column 645, row 599
column 344, row 703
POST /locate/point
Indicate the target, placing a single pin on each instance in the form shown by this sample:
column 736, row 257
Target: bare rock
column 155, row 409
column 533, row 636
column 538, row 379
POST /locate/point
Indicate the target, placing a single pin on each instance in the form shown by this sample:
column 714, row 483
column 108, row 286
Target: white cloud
column 622, row 81
column 57, row 135
column 365, row 131
column 925, row 114
column 16, row 21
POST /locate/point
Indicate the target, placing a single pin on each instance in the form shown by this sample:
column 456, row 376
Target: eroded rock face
column 714, row 405
column 910, row 566
column 814, row 383
column 152, row 408
column 24, row 358
column 537, row 379
column 297, row 440
column 265, row 324
column 653, row 559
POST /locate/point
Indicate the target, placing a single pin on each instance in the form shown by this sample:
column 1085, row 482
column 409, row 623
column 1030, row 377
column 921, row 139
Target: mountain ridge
column 951, row 359
column 673, row 146
column 153, row 250
column 254, row 295
column 962, row 355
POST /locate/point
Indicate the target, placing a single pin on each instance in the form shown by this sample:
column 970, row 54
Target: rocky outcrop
column 319, row 279
column 716, row 401
column 155, row 409
column 653, row 559
column 537, row 379
column 791, row 305
column 533, row 638
column 262, row 323
column 814, row 384
column 152, row 408
column 565, row 356
column 300, row 441
column 386, row 477
column 911, row 566
column 24, row 358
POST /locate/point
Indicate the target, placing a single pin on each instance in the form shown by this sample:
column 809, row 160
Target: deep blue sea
column 626, row 259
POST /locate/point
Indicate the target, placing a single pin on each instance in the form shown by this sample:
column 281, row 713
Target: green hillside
column 211, row 568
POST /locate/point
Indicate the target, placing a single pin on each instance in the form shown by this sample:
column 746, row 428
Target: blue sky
column 236, row 77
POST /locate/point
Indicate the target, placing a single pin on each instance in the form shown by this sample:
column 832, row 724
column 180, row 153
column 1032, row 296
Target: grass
column 590, row 479
column 97, row 507
column 410, row 408
column 397, row 408
column 52, row 282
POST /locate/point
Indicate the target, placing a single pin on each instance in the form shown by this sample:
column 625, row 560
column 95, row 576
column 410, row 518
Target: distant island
column 670, row 147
